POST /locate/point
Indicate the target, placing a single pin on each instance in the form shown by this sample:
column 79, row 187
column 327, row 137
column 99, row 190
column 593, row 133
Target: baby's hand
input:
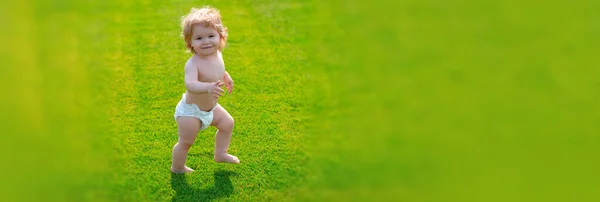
column 216, row 89
column 228, row 83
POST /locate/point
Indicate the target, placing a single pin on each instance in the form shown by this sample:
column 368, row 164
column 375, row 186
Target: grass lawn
column 135, row 57
column 333, row 101
column 268, row 102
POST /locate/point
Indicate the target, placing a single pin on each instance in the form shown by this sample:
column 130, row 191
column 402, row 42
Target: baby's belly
column 205, row 102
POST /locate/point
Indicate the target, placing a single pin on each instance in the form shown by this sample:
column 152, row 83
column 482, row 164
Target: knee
column 226, row 124
column 184, row 144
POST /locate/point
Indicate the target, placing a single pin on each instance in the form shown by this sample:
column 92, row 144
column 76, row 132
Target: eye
column 199, row 38
column 211, row 36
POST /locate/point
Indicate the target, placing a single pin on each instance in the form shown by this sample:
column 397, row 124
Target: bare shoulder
column 193, row 64
column 221, row 61
column 220, row 55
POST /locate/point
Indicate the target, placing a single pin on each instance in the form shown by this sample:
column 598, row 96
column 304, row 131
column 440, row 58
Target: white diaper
column 185, row 109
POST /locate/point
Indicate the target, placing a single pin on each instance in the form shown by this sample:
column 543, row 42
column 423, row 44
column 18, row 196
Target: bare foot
column 227, row 158
column 184, row 170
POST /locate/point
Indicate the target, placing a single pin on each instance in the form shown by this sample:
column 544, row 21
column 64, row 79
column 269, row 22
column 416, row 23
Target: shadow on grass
column 184, row 192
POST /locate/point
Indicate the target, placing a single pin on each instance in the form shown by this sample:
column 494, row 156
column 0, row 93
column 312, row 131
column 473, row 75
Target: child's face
column 205, row 40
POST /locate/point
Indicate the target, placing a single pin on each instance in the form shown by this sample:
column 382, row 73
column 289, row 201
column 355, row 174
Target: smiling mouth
column 206, row 47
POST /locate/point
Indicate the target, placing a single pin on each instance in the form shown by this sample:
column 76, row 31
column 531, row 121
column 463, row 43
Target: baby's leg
column 188, row 128
column 224, row 123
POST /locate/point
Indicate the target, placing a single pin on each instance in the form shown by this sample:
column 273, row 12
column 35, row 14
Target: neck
column 206, row 56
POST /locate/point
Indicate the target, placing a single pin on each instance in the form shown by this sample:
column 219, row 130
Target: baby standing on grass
column 205, row 37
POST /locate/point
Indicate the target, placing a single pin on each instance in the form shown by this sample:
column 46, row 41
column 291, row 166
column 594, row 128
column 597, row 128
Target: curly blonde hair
column 208, row 16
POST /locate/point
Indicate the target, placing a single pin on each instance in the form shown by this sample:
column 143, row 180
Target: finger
column 217, row 90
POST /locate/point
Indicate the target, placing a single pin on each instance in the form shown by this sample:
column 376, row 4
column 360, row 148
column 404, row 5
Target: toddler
column 205, row 36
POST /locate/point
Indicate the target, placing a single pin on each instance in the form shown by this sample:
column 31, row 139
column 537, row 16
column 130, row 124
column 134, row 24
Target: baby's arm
column 228, row 81
column 195, row 86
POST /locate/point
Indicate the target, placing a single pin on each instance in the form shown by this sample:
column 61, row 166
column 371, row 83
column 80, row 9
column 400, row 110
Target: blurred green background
column 53, row 123
column 406, row 101
column 459, row 100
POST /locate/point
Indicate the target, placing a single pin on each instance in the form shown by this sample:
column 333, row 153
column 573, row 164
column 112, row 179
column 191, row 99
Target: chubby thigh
column 188, row 128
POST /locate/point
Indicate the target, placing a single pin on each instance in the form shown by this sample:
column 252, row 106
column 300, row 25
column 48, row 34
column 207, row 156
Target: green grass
column 334, row 101
column 267, row 104
column 134, row 76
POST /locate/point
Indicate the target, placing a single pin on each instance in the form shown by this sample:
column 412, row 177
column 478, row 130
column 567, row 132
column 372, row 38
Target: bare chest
column 211, row 71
